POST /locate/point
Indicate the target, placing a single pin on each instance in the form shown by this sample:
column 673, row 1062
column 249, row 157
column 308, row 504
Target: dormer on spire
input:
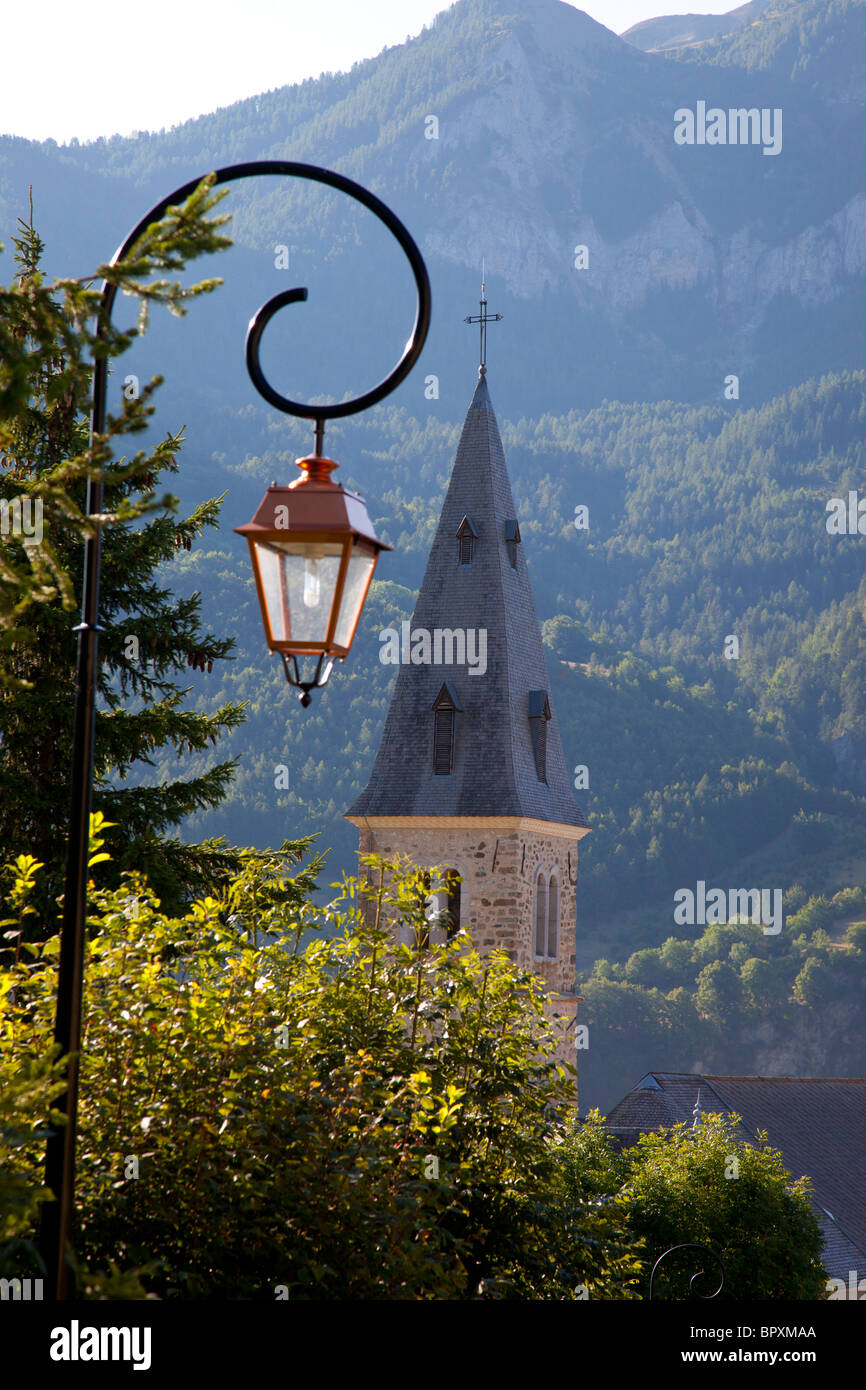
column 446, row 707
column 539, row 716
column 466, row 538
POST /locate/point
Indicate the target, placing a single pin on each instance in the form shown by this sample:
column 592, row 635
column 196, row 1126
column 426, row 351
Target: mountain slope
column 817, row 44
column 552, row 134
column 688, row 30
column 703, row 523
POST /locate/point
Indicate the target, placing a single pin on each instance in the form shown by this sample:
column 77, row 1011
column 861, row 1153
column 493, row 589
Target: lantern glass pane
column 358, row 572
column 298, row 581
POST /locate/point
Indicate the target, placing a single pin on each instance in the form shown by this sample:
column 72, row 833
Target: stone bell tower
column 470, row 771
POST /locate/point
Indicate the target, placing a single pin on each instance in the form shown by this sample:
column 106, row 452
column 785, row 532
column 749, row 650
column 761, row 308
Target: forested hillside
column 703, row 524
column 819, row 44
column 522, row 131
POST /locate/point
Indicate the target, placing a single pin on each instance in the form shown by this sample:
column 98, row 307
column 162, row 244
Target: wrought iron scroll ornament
column 699, row 1274
column 415, row 343
column 260, row 320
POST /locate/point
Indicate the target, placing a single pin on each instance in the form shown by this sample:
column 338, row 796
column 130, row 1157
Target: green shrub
column 356, row 1119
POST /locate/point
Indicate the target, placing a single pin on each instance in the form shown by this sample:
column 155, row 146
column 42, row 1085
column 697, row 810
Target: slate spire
column 505, row 753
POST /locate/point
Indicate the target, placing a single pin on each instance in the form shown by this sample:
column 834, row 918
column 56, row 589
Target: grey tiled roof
column 841, row 1255
column 494, row 765
column 817, row 1123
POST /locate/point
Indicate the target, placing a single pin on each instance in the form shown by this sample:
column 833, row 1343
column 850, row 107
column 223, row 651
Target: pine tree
column 148, row 634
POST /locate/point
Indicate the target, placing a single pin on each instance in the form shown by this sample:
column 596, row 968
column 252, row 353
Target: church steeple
column 470, row 772
column 507, row 757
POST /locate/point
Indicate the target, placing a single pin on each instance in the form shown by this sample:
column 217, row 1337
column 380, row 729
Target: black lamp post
column 313, row 562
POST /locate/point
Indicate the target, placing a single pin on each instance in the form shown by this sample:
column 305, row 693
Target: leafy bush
column 856, row 934
column 30, row 1082
column 353, row 1118
column 718, row 994
column 706, row 1186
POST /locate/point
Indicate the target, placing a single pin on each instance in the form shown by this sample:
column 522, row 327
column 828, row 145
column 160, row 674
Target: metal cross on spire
column 482, row 320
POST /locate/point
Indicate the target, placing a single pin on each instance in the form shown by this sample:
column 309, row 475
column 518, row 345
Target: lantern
column 313, row 551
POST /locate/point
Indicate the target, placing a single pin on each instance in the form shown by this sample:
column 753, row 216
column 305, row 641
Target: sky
column 192, row 56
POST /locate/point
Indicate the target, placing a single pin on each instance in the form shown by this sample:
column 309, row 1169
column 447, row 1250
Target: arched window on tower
column 540, row 915
column 427, row 900
column 442, row 906
column 553, row 917
column 546, row 916
column 512, row 541
column 452, row 904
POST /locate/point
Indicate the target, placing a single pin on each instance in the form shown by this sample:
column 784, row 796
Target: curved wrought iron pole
column 60, row 1150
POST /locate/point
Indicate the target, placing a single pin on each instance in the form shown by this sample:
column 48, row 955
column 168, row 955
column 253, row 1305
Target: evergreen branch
column 144, row 809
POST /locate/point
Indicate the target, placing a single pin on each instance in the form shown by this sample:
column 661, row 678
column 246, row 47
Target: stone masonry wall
column 498, row 894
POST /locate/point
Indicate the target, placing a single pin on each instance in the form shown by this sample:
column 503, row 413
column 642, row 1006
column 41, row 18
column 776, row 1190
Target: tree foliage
column 710, row 1187
column 712, row 996
column 148, row 635
column 346, row 1118
column 50, row 336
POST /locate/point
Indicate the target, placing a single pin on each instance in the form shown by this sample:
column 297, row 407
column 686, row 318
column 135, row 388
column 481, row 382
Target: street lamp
column 300, row 564
column 313, row 551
